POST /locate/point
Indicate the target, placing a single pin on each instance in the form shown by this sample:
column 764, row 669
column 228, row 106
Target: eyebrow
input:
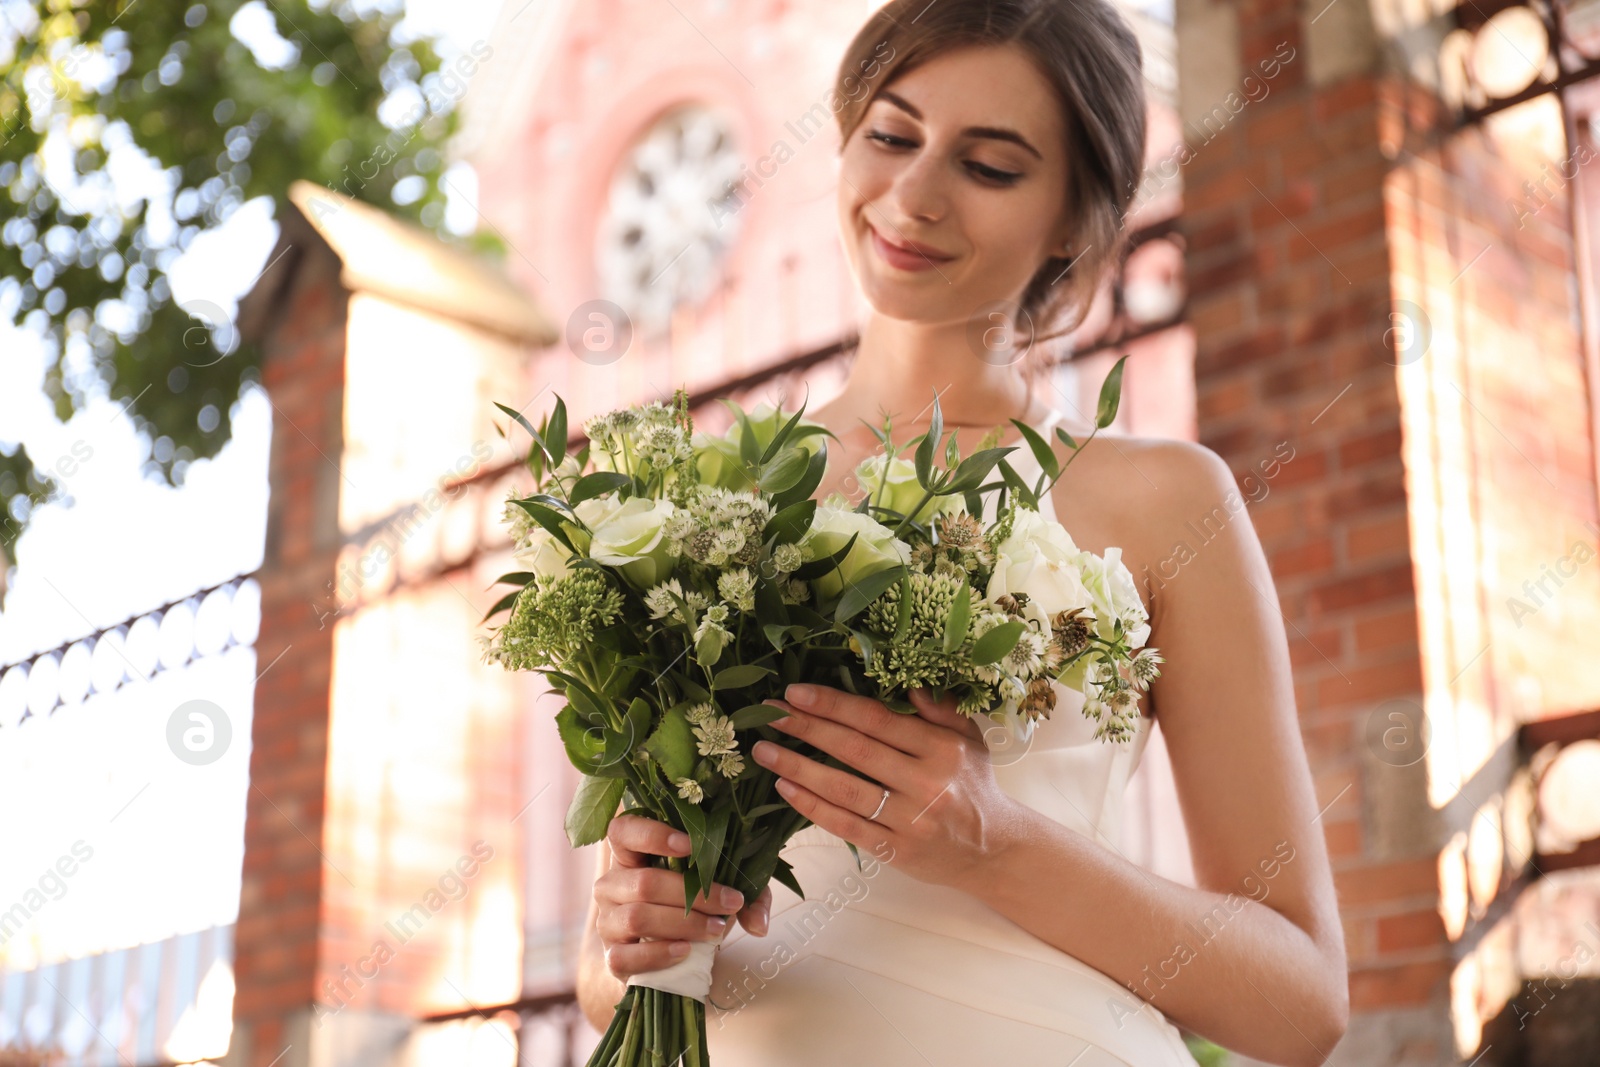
column 996, row 133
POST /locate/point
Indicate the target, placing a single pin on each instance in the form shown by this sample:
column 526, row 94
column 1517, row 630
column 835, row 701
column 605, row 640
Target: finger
column 632, row 922
column 657, row 885
column 626, row 960
column 862, row 713
column 944, row 713
column 849, row 746
column 635, row 838
column 839, row 787
column 758, row 914
column 846, row 825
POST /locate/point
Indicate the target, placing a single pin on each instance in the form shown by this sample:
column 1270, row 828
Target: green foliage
column 172, row 80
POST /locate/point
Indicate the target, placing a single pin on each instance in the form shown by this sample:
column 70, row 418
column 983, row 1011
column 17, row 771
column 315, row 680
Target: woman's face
column 965, row 157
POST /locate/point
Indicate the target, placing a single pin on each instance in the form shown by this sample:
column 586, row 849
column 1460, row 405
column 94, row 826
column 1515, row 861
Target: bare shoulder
column 1148, row 496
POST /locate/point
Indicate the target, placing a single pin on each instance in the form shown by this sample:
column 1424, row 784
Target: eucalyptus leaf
column 1110, row 396
column 995, row 645
column 597, row 484
column 864, row 591
column 959, row 619
column 753, row 715
column 740, row 676
column 1042, row 452
column 790, row 524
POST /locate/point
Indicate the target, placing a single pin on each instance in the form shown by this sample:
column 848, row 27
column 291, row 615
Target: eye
column 987, row 173
column 890, row 139
column 1004, row 177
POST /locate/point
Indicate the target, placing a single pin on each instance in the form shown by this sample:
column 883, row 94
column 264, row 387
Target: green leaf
column 785, row 471
column 1015, row 483
column 550, row 521
column 765, row 809
column 975, row 468
column 868, row 648
column 784, row 872
column 1110, row 395
column 593, row 805
column 738, row 677
column 790, row 524
column 619, row 744
column 807, row 485
column 597, row 484
column 930, row 442
column 500, row 605
column 902, row 622
column 515, row 578
column 555, row 433
column 753, row 715
column 585, row 744
column 818, row 567
column 1041, row 449
column 672, row 745
column 995, row 645
column 960, row 617
column 526, row 425
column 1066, row 439
column 781, row 436
column 864, row 591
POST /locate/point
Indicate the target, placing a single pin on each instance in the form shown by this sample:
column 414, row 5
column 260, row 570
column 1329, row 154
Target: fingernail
column 764, row 751
column 731, row 898
column 801, row 695
column 716, row 923
column 678, row 948
column 678, row 842
column 762, row 917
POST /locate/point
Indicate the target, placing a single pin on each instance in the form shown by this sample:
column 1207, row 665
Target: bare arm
column 598, row 989
column 1254, row 959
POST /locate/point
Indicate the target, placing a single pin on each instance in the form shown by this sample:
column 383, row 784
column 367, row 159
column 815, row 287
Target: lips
column 906, row 256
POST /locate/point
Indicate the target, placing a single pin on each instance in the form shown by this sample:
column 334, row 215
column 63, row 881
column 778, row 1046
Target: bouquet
column 672, row 581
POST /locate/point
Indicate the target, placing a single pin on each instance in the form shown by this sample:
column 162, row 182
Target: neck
column 900, row 365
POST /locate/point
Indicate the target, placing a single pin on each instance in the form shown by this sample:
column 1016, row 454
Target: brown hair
column 1091, row 57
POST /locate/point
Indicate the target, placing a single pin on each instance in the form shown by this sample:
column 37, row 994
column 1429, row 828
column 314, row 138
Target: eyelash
column 1002, row 177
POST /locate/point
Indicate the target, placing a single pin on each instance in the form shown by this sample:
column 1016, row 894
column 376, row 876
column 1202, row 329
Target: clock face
column 670, row 216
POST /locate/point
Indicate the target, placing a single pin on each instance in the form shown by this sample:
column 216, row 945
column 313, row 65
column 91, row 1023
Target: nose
column 918, row 191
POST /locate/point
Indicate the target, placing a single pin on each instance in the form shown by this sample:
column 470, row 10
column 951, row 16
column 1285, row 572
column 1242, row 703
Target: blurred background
column 266, row 266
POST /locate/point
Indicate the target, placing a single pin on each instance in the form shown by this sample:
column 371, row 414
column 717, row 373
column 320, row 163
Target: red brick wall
column 1442, row 453
column 276, row 941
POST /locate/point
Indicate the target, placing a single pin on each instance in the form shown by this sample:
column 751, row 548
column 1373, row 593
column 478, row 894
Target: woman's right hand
column 635, row 900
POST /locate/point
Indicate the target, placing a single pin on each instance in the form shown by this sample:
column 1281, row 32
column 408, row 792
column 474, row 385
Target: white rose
column 543, row 556
column 1113, row 595
column 629, row 534
column 876, row 547
column 1039, row 558
column 900, row 490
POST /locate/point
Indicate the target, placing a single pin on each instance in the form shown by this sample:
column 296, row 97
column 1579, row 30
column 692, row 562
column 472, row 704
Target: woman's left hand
column 945, row 815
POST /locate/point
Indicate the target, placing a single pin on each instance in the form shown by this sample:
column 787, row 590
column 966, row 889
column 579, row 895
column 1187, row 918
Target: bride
column 992, row 918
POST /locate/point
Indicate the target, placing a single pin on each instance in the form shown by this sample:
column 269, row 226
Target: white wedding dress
column 875, row 967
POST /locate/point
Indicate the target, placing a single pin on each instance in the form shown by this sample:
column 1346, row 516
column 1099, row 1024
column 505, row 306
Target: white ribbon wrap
column 689, row 977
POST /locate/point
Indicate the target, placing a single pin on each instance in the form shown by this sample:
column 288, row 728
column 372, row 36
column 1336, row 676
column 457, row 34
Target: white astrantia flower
column 738, row 587
column 715, row 735
column 689, row 790
column 730, row 764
